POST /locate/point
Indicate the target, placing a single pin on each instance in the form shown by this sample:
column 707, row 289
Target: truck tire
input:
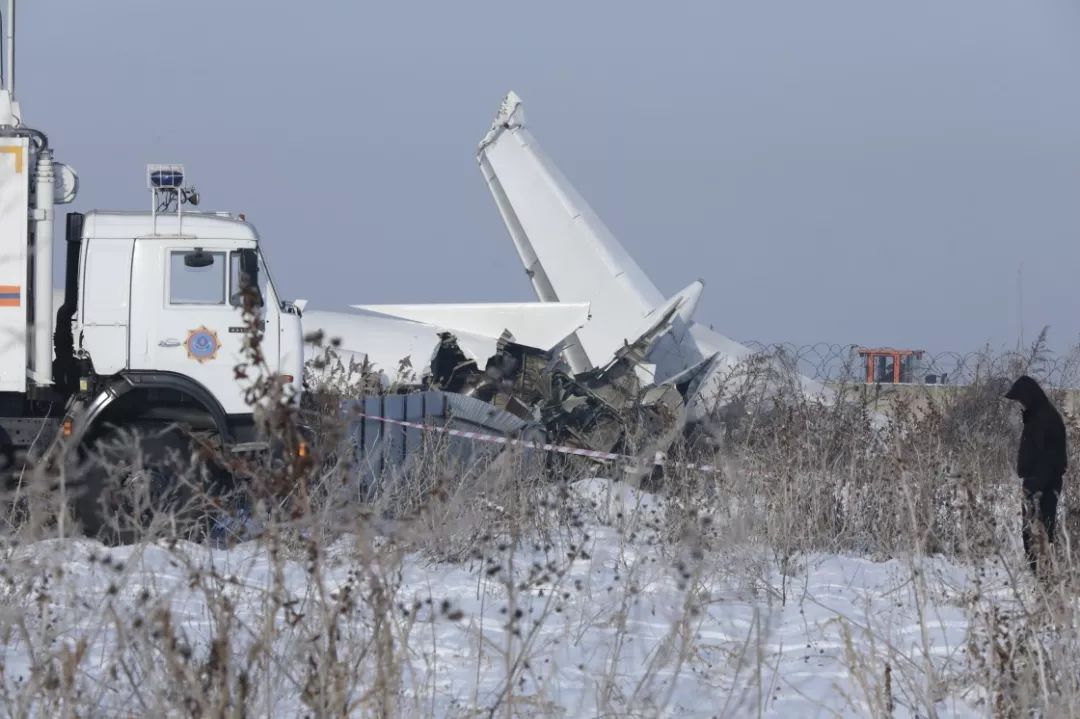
column 131, row 479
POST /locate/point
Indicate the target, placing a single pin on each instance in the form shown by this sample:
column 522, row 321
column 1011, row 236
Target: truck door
column 187, row 315
column 105, row 305
column 248, row 278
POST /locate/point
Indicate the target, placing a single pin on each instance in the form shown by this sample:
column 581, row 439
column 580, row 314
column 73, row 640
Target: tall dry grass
column 328, row 630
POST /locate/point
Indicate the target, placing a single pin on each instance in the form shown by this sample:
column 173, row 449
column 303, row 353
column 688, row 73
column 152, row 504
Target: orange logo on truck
column 10, row 295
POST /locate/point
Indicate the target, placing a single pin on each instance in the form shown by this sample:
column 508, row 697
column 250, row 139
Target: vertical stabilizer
column 567, row 251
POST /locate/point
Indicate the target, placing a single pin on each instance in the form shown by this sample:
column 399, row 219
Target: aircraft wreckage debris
column 601, row 363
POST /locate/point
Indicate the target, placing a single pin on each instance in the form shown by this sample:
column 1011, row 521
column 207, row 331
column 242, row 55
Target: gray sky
column 840, row 171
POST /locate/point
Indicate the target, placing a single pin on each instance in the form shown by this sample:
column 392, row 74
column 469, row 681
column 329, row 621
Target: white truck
column 151, row 326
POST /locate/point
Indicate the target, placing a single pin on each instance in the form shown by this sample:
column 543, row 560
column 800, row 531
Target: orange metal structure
column 899, row 358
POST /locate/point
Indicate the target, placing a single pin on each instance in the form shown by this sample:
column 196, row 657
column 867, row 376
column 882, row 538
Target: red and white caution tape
column 658, row 460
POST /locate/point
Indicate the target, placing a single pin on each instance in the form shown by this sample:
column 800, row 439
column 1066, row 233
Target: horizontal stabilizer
column 542, row 325
column 388, row 343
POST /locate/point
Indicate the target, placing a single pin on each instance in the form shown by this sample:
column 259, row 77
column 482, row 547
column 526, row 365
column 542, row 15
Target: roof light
column 161, row 177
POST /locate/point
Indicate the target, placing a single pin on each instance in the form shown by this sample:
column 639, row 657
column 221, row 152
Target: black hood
column 1027, row 392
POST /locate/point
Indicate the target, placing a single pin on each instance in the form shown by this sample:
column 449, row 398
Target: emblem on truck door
column 202, row 344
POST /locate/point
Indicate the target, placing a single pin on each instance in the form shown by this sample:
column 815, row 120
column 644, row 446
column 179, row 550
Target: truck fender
column 87, row 419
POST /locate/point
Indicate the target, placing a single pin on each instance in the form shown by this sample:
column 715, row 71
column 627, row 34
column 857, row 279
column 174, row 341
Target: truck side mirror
column 198, row 259
column 249, row 268
column 245, row 280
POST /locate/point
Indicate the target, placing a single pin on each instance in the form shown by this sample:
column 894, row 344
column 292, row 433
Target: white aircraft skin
column 533, row 324
column 571, row 256
column 384, row 335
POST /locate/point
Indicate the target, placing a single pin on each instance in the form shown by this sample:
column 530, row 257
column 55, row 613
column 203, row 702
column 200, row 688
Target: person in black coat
column 1040, row 464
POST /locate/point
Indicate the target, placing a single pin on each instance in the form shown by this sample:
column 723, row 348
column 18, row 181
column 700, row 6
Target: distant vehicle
column 887, row 365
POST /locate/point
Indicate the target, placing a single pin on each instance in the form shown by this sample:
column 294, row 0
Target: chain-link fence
column 826, row 362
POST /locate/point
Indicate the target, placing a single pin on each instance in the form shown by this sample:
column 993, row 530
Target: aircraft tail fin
column 567, row 251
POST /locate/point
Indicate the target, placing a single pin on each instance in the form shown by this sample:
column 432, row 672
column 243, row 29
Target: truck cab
column 171, row 318
column 166, row 294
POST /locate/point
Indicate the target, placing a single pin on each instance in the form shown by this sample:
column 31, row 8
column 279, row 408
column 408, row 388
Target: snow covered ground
column 605, row 619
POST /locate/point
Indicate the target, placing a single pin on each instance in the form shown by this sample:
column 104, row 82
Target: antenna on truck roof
column 9, row 48
column 9, row 108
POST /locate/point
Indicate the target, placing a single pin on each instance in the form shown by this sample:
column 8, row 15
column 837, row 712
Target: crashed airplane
column 601, row 347
column 571, row 256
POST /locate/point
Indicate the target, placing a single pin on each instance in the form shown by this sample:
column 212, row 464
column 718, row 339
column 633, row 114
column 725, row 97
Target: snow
column 631, row 624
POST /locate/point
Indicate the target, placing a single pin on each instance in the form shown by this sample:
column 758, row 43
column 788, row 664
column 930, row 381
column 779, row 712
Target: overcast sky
column 838, row 171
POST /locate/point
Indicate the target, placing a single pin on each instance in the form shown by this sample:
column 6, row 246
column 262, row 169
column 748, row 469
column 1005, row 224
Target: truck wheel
column 130, row 477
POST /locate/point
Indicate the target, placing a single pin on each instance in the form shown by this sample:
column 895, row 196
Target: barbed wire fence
column 839, row 363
